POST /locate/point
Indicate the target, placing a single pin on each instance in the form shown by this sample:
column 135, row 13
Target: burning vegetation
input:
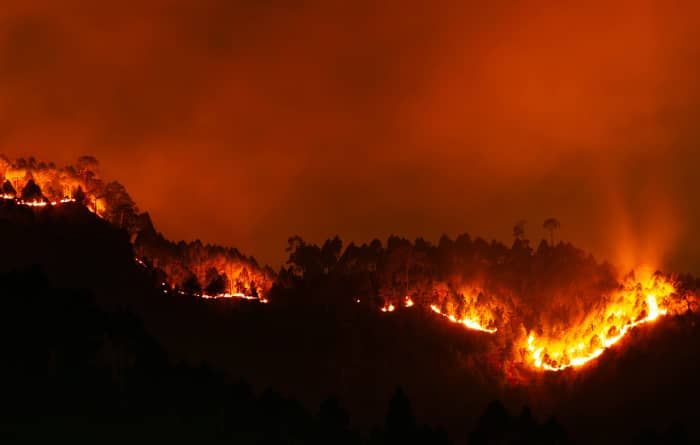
column 549, row 308
column 193, row 268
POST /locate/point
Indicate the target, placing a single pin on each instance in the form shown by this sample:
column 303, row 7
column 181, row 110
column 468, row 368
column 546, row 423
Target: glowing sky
column 244, row 122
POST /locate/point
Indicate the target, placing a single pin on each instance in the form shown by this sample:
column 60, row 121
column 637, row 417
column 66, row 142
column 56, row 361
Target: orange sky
column 244, row 122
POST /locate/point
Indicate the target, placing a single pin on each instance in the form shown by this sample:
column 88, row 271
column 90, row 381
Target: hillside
column 311, row 348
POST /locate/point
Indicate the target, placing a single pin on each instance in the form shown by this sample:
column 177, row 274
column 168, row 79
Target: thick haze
column 244, row 122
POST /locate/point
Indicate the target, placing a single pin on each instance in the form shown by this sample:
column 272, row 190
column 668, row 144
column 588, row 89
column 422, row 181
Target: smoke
column 316, row 118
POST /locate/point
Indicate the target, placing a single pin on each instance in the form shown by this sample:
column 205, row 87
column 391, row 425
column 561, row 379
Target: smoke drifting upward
column 242, row 123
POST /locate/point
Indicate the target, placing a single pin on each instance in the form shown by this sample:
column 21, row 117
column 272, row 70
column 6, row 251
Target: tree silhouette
column 79, row 196
column 551, row 225
column 8, row 189
column 87, row 167
column 493, row 427
column 121, row 208
column 305, row 259
column 216, row 283
column 400, row 424
column 191, row 285
column 32, row 192
column 519, row 229
column 330, row 252
column 334, row 423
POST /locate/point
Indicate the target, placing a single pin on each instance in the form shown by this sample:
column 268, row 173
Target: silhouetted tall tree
column 551, row 225
column 87, row 167
column 216, row 283
column 8, row 189
column 330, row 252
column 519, row 229
column 120, row 207
column 32, row 192
column 191, row 285
column 400, row 425
column 493, row 426
column 79, row 196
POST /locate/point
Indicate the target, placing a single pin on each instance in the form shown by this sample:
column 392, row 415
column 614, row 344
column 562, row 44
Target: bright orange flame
column 7, row 197
column 641, row 299
column 408, row 302
column 238, row 295
column 388, row 308
column 467, row 322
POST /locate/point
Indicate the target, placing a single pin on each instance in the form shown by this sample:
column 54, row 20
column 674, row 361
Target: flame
column 466, row 322
column 238, row 295
column 18, row 201
column 388, row 308
column 641, row 299
column 408, row 302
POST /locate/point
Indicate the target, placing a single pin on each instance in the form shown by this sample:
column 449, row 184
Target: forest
column 98, row 344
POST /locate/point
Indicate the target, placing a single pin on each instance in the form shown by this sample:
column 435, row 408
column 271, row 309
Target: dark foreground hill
column 114, row 349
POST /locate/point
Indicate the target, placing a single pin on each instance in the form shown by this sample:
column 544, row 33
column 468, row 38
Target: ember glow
column 642, row 298
column 388, row 308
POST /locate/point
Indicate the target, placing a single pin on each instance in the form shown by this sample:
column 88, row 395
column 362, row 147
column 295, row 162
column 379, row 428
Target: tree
column 334, row 423
column 216, row 282
column 191, row 285
column 519, row 229
column 79, row 195
column 400, row 423
column 551, row 225
column 305, row 259
column 32, row 192
column 330, row 252
column 120, row 206
column 7, row 188
column 493, row 425
column 87, row 167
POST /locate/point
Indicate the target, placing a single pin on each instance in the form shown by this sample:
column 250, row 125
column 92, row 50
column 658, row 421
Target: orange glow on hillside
column 642, row 298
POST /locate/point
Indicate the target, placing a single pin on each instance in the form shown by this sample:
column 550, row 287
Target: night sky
column 245, row 122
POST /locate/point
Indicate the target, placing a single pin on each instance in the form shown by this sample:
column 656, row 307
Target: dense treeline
column 451, row 274
column 198, row 268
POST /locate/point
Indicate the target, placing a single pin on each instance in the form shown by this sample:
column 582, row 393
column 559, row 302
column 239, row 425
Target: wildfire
column 389, row 307
column 640, row 300
column 238, row 295
column 466, row 322
column 18, row 201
